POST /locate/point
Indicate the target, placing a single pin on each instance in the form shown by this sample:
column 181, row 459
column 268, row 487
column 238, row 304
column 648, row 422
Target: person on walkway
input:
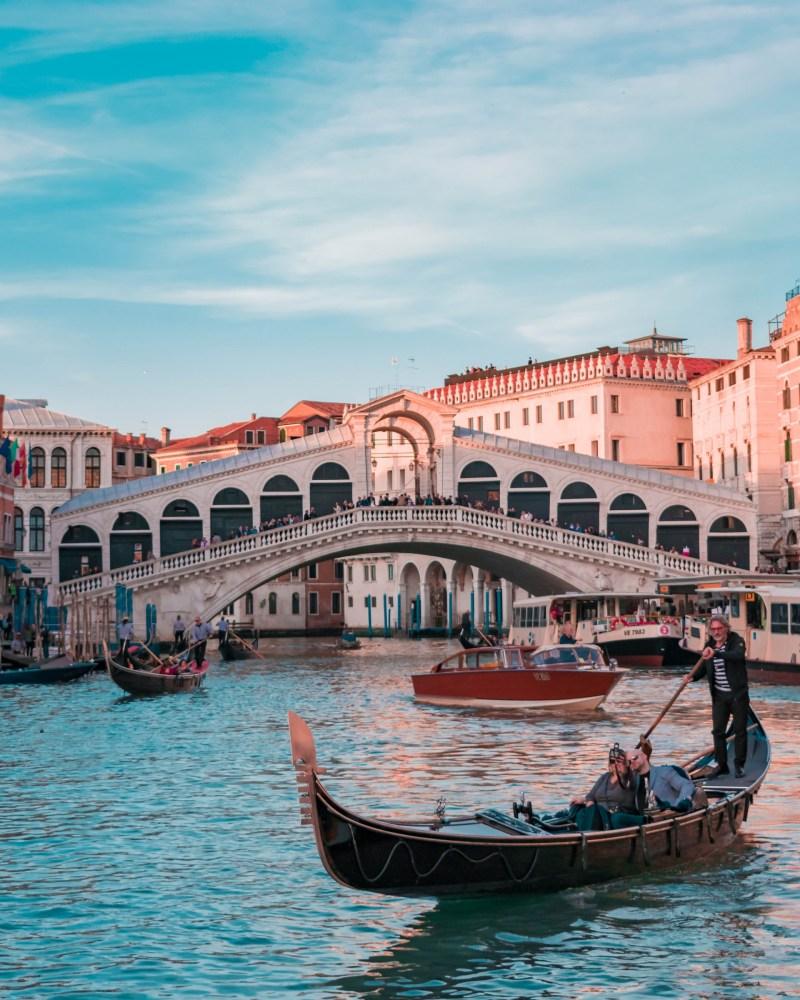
column 179, row 634
column 125, row 637
column 724, row 666
column 45, row 633
column 222, row 631
column 30, row 639
column 198, row 637
column 666, row 786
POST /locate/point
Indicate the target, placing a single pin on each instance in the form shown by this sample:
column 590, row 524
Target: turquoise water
column 152, row 848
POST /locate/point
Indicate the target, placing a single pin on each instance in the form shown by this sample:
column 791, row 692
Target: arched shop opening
column 131, row 540
column 230, row 512
column 280, row 496
column 678, row 529
column 628, row 519
column 479, row 483
column 330, row 485
column 529, row 492
column 579, row 507
column 729, row 542
column 80, row 553
column 180, row 526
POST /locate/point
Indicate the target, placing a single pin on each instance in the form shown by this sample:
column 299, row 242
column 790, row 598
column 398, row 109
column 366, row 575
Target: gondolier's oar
column 155, row 656
column 672, row 700
column 244, row 642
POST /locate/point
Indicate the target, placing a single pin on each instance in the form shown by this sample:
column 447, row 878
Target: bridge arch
column 280, row 495
column 131, row 540
column 180, row 527
column 729, row 542
column 628, row 519
column 231, row 511
column 80, row 552
column 529, row 492
column 580, row 507
column 679, row 529
column 478, row 482
column 330, row 485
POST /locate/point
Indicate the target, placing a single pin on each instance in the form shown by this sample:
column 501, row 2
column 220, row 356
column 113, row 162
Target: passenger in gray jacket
column 666, row 786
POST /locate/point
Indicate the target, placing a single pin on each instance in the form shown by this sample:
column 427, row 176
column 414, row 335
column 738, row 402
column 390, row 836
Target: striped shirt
column 720, row 674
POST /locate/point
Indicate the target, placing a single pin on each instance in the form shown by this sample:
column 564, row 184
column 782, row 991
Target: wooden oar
column 244, row 642
column 155, row 656
column 672, row 700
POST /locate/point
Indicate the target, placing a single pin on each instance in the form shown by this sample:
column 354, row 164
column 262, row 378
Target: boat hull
column 46, row 675
column 651, row 651
column 145, row 682
column 517, row 688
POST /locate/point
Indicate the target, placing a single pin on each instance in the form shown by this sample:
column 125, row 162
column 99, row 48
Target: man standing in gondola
column 725, row 667
column 222, row 631
column 198, row 636
column 125, row 636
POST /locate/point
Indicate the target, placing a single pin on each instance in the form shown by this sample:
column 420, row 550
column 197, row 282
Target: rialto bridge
column 594, row 524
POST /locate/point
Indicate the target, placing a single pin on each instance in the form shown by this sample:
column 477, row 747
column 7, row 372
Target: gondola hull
column 230, row 651
column 147, row 682
column 55, row 674
column 490, row 851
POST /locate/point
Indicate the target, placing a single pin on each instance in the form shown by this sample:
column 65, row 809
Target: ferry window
column 780, row 619
column 795, row 622
column 734, row 601
column 518, row 617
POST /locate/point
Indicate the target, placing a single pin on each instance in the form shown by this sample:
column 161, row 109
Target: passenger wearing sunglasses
column 724, row 666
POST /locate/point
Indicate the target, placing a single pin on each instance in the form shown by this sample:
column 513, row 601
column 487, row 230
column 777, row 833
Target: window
column 570, row 408
column 790, row 497
column 615, row 404
column 731, row 378
column 177, row 467
column 389, row 480
column 699, row 468
column 779, row 618
column 58, row 468
column 261, row 437
column 312, row 571
column 746, row 372
column 313, row 602
column 679, row 408
column 710, row 467
column 480, row 423
column 497, row 421
column 681, row 452
column 595, row 448
column 295, row 604
column 349, row 601
column 614, row 449
column 787, row 396
column 795, row 616
column 19, row 530
column 538, row 414
column 722, row 465
column 719, row 384
column 784, row 354
column 272, row 603
column 296, row 574
column 370, row 602
column 338, row 571
column 560, row 411
column 92, row 469
column 373, row 572
column 121, row 458
column 36, row 462
column 162, row 470
column 349, row 574
column 749, row 458
column 787, row 447
column 248, row 603
column 138, row 459
column 390, row 571
column 526, row 415
column 570, row 447
column 248, row 437
column 593, row 404
column 37, row 530
column 507, row 419
column 366, row 573
column 336, row 602
column 471, row 423
column 735, row 461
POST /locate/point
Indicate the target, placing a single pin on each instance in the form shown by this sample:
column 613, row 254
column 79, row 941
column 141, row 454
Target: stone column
column 508, row 603
column 425, row 605
column 477, row 590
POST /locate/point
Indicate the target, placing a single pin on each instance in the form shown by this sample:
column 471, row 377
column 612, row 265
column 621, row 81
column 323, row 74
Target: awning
column 10, row 565
column 24, row 569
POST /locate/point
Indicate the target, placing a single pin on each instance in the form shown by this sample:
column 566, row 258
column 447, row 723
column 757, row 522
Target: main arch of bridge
column 582, row 491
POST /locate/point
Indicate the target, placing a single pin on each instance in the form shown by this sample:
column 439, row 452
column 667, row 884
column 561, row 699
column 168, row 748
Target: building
column 309, row 417
column 307, row 600
column 785, row 339
column 598, row 404
column 8, row 564
column 65, row 455
column 218, row 442
column 737, row 439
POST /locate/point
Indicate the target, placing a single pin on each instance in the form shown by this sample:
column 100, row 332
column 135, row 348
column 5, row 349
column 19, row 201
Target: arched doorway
column 529, row 492
column 479, row 484
column 729, row 542
column 230, row 513
column 678, row 530
column 131, row 540
column 628, row 519
column 330, row 484
column 180, row 526
column 436, row 583
column 579, row 507
column 80, row 553
column 280, row 496
column 410, row 612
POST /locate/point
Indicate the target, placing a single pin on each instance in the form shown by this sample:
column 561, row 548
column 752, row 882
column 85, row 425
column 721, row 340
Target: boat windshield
column 566, row 656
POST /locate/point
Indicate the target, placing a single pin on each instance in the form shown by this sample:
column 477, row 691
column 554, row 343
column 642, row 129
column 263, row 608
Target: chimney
column 745, row 328
column 252, row 416
column 165, row 433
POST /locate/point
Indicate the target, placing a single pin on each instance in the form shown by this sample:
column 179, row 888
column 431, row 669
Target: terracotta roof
column 220, row 435
column 311, row 408
column 135, row 441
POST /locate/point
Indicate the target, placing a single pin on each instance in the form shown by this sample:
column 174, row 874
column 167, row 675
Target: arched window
column 280, row 496
column 330, row 485
column 579, row 508
column 231, row 497
column 231, row 513
column 295, row 603
column 678, row 531
column 330, row 470
column 529, row 492
column 58, row 469
column 91, row 467
column 80, row 552
column 479, row 484
column 131, row 540
column 180, row 528
column 37, row 529
column 272, row 603
column 282, row 435
column 37, row 474
column 729, row 542
column 578, row 491
column 735, row 461
column 19, row 530
column 628, row 519
column 787, row 396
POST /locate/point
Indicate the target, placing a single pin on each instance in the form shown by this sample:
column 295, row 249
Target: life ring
column 664, row 630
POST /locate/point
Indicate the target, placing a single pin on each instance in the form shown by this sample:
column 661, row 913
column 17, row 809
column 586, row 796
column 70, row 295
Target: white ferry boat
column 764, row 610
column 634, row 629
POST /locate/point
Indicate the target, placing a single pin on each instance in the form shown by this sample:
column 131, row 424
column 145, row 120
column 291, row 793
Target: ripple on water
column 151, row 847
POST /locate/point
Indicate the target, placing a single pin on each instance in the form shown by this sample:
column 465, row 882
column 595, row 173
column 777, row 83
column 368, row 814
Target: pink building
column 7, row 561
column 629, row 404
column 785, row 337
column 218, row 442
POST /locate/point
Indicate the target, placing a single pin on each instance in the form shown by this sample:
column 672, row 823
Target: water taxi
column 764, row 610
column 633, row 628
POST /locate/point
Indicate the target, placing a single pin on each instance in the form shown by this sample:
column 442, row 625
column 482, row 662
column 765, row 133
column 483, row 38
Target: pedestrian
column 222, row 631
column 725, row 667
column 45, row 633
column 30, row 639
column 179, row 634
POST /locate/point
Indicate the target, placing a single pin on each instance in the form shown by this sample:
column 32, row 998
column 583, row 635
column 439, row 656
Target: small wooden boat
column 47, row 673
column 233, row 649
column 154, row 679
column 348, row 640
column 555, row 676
column 491, row 850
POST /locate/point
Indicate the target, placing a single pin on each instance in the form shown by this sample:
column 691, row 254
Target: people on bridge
column 125, row 636
column 198, row 638
column 666, row 786
column 725, row 667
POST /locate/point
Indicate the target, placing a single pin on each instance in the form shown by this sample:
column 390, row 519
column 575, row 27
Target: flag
column 23, row 465
column 5, row 453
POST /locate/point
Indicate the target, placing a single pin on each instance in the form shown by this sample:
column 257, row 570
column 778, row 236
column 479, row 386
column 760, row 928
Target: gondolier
column 726, row 670
column 179, row 633
column 198, row 636
column 222, row 631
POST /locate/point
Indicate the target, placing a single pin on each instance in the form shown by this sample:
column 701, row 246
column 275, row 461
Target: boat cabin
column 523, row 658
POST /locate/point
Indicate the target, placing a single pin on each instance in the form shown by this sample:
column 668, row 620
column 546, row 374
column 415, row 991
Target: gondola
column 144, row 680
column 47, row 673
column 492, row 850
column 234, row 650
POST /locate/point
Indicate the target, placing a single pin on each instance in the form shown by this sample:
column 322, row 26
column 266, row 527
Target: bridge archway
column 80, row 552
column 529, row 492
column 628, row 519
column 579, row 507
column 330, row 485
column 436, row 586
column 410, row 590
column 479, row 483
column 230, row 512
column 678, row 529
column 729, row 542
column 280, row 496
column 180, row 527
column 131, row 540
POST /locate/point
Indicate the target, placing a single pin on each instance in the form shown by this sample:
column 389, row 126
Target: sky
column 213, row 209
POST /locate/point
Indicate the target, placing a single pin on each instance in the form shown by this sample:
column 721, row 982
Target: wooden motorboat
column 154, row 679
column 47, row 673
column 491, row 850
column 554, row 676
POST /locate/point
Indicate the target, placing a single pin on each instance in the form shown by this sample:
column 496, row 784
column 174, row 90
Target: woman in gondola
column 611, row 801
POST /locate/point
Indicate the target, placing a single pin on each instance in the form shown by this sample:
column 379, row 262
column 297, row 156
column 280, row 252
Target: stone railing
column 382, row 521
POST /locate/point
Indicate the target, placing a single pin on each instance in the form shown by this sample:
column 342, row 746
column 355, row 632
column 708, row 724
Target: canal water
column 152, row 847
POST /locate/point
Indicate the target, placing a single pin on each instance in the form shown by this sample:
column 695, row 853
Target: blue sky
column 212, row 209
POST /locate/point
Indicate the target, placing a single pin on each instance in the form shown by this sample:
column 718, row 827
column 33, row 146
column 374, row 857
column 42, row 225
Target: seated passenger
column 568, row 634
column 611, row 801
column 666, row 786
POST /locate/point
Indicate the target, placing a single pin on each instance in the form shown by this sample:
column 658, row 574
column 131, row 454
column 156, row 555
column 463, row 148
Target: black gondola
column 493, row 851
column 235, row 650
